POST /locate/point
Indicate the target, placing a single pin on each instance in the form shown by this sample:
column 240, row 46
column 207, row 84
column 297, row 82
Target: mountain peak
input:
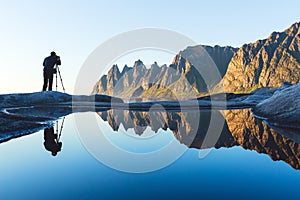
column 138, row 63
column 155, row 65
column 178, row 59
column 178, row 62
column 265, row 63
column 114, row 69
column 294, row 29
column 125, row 69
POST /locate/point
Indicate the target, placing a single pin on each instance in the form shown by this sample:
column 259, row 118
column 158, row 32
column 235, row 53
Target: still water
column 248, row 160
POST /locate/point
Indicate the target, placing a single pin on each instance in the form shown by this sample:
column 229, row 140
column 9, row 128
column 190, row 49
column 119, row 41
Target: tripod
column 58, row 71
column 61, row 128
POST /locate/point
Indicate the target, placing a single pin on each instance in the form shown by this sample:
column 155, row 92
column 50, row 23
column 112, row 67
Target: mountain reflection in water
column 241, row 128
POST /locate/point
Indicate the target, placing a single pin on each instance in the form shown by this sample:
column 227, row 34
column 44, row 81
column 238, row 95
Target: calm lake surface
column 248, row 160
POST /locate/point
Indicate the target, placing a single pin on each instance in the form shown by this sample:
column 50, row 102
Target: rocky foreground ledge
column 282, row 109
column 51, row 98
column 22, row 114
column 26, row 113
column 94, row 102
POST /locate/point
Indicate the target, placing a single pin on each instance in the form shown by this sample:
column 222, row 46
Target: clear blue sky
column 31, row 29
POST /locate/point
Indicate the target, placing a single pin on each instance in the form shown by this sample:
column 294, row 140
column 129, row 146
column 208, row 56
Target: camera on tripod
column 58, row 62
column 57, row 71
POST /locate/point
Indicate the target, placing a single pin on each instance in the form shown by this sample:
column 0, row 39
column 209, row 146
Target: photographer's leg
column 45, row 82
column 50, row 81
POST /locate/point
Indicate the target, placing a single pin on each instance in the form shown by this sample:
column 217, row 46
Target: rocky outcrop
column 26, row 113
column 51, row 98
column 265, row 63
column 282, row 109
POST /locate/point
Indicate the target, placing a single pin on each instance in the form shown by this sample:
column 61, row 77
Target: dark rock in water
column 282, row 109
column 98, row 98
column 224, row 97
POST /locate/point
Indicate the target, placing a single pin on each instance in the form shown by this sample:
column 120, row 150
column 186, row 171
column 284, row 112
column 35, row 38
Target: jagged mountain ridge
column 265, row 63
column 180, row 78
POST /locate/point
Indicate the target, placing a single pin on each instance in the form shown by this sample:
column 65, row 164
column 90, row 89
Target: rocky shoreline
column 282, row 109
column 22, row 114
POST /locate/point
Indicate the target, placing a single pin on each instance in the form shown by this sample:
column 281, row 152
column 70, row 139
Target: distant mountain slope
column 180, row 77
column 265, row 63
column 220, row 55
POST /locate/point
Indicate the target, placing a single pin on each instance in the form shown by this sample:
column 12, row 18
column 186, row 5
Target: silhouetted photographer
column 49, row 64
column 51, row 141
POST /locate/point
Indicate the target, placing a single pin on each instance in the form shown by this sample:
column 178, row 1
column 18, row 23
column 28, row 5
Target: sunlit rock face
column 181, row 78
column 265, row 63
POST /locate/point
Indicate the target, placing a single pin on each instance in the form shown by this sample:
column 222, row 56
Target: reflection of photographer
column 51, row 141
column 49, row 70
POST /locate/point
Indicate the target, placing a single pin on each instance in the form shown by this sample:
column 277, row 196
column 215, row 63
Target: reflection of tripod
column 58, row 71
column 61, row 128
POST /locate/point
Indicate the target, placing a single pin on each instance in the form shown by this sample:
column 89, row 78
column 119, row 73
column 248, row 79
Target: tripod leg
column 60, row 79
column 56, row 81
column 61, row 128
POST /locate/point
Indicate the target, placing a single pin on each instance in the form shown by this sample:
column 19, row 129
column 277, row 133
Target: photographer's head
column 53, row 53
